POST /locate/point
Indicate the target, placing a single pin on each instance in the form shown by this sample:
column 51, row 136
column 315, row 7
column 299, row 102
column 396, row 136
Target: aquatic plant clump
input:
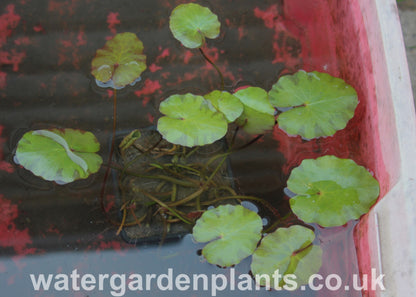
column 177, row 174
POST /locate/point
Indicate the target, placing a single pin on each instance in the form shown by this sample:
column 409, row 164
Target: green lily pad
column 226, row 103
column 190, row 121
column 192, row 23
column 120, row 62
column 59, row 155
column 320, row 103
column 290, row 251
column 232, row 232
column 331, row 191
column 258, row 114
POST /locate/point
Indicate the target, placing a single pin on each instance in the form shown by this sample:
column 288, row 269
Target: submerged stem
column 173, row 211
column 110, row 157
column 215, row 66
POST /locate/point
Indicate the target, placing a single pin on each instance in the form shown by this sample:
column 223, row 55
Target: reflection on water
column 125, row 263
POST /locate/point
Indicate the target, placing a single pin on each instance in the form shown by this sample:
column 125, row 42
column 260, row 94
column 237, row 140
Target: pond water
column 46, row 48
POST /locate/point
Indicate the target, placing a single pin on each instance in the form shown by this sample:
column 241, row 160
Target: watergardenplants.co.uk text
column 119, row 284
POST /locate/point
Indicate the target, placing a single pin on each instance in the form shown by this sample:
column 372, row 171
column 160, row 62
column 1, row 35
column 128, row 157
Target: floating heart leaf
column 320, row 103
column 190, row 121
column 59, row 155
column 287, row 251
column 232, row 232
column 258, row 114
column 331, row 191
column 120, row 62
column 226, row 103
column 192, row 23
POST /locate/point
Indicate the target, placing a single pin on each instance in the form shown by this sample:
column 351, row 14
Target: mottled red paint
column 66, row 43
column 150, row 117
column 68, row 48
column 187, row 56
column 165, row 53
column 113, row 21
column 81, row 38
column 241, row 32
column 149, row 88
column 4, row 166
column 62, row 7
column 10, row 235
column 38, row 28
column 283, row 35
column 13, row 58
column 54, row 230
column 3, row 81
column 269, row 16
column 212, row 53
column 190, row 76
column 22, row 41
column 8, row 21
column 153, row 68
column 165, row 75
column 113, row 245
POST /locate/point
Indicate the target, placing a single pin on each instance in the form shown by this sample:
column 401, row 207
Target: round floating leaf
column 190, row 121
column 331, row 191
column 320, row 104
column 120, row 62
column 232, row 232
column 192, row 23
column 59, row 155
column 226, row 103
column 258, row 114
column 287, row 251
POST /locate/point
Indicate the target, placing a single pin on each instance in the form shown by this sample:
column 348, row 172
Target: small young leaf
column 320, row 103
column 258, row 114
column 192, row 23
column 226, row 103
column 120, row 62
column 287, row 251
column 190, row 121
column 232, row 232
column 59, row 155
column 129, row 140
column 331, row 191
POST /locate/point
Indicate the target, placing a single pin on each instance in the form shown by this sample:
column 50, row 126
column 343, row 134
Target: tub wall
column 384, row 238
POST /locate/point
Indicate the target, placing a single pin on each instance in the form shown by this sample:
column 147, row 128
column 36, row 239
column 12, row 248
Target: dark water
column 46, row 48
